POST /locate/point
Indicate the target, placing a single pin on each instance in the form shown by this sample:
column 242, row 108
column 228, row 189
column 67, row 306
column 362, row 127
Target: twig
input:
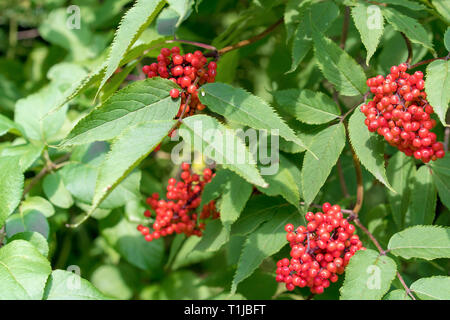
column 318, row 206
column 345, row 27
column 244, row 43
column 447, row 57
column 446, row 138
column 408, row 45
column 342, row 179
column 50, row 166
column 363, row 99
column 2, row 236
column 28, row 34
column 194, row 43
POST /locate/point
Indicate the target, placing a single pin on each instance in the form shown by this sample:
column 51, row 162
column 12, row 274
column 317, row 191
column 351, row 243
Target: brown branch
column 345, row 27
column 50, row 166
column 2, row 236
column 446, row 138
column 408, row 45
column 28, row 34
column 447, row 57
column 318, row 206
column 194, row 43
column 246, row 42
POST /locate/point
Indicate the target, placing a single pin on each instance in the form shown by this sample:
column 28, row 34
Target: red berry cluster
column 320, row 251
column 401, row 113
column 178, row 213
column 189, row 71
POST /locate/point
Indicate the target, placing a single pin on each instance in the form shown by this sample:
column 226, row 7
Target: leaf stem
column 345, row 27
column 446, row 58
column 409, row 47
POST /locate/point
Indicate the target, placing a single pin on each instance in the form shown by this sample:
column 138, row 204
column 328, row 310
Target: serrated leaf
column 447, row 39
column 437, row 87
column 213, row 238
column 423, row 198
column 370, row 26
column 65, row 285
column 293, row 15
column 140, row 101
column 321, row 15
column 35, row 238
column 258, row 210
column 214, row 188
column 368, row 276
column 235, row 195
column 433, row 288
column 424, row 242
column 206, row 135
column 239, row 106
column 328, row 145
column 127, row 151
column 441, row 178
column 123, row 236
column 406, row 3
column 400, row 169
column 338, row 66
column 409, row 26
column 285, row 182
column 11, row 186
column 308, row 106
column 368, row 147
column 23, row 270
column 133, row 23
column 265, row 241
column 443, row 7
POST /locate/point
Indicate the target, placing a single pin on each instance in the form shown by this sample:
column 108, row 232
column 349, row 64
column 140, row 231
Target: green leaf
column 11, row 186
column 406, row 3
column 127, row 151
column 56, row 192
column 213, row 238
column 437, row 87
column 265, row 241
column 368, row 147
column 235, row 195
column 368, row 276
column 423, row 198
column 441, row 178
column 398, row 294
column 447, row 39
column 443, row 7
column 400, row 169
column 35, row 238
column 328, row 145
column 433, row 288
column 141, row 101
column 293, row 15
column 258, row 210
column 37, row 203
column 65, row 285
column 28, row 221
column 322, row 16
column 7, row 125
column 123, row 236
column 214, row 189
column 23, row 270
column 187, row 256
column 172, row 17
column 409, row 26
column 424, row 242
column 239, row 106
column 206, row 135
column 338, row 66
column 285, row 182
column 27, row 153
column 31, row 114
column 370, row 26
column 133, row 23
column 308, row 106
column 110, row 280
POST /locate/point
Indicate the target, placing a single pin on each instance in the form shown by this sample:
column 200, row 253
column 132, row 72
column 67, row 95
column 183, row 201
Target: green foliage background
column 297, row 79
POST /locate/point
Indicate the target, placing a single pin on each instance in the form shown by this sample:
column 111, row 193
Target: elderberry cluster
column 401, row 113
column 189, row 71
column 320, row 251
column 178, row 213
